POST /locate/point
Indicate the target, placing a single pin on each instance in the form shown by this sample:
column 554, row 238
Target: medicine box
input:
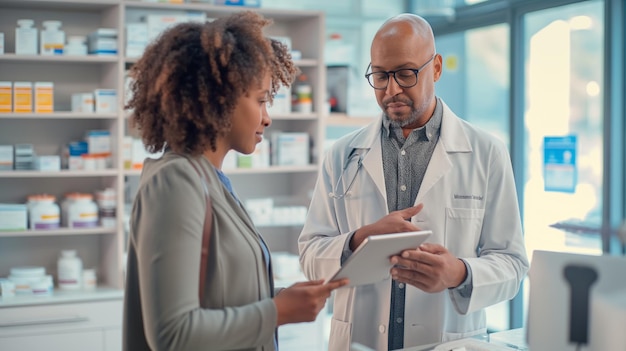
column 6, row 97
column 103, row 41
column 75, row 150
column 13, row 217
column 98, row 141
column 139, row 154
column 7, row 288
column 6, row 157
column 83, row 102
column 48, row 163
column 157, row 23
column 281, row 103
column 44, row 97
column 127, row 152
column 136, row 39
column 22, row 97
column 105, row 100
column 292, row 149
column 24, row 157
column 244, row 161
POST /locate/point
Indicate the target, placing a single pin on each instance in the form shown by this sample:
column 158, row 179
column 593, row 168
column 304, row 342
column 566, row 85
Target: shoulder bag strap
column 206, row 230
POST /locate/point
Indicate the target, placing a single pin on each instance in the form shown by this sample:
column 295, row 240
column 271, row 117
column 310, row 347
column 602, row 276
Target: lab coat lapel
column 451, row 139
column 372, row 162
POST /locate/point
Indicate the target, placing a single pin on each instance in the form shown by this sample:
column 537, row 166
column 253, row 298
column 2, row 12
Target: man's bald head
column 407, row 26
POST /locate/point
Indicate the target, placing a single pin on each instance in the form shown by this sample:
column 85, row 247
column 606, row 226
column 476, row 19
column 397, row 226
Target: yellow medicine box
column 44, row 97
column 6, row 97
column 22, row 97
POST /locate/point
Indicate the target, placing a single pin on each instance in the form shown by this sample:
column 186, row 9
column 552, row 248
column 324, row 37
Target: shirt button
column 402, row 152
column 403, row 188
column 399, row 320
column 401, row 285
column 381, row 328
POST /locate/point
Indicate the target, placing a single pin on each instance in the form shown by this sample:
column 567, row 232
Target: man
column 419, row 167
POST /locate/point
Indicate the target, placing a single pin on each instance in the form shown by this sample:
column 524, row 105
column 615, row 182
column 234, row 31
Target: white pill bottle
column 69, row 270
column 82, row 211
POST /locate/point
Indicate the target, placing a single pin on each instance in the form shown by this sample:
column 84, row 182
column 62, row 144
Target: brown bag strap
column 206, row 230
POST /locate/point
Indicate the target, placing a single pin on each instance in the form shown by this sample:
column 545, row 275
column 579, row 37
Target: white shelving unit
column 104, row 248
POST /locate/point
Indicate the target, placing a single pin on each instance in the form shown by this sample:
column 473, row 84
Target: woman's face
column 250, row 118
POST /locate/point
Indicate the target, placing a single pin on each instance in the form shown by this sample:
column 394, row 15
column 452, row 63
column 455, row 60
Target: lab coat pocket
column 462, row 233
column 340, row 335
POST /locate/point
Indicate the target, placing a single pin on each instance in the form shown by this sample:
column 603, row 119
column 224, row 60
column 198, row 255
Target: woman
column 199, row 91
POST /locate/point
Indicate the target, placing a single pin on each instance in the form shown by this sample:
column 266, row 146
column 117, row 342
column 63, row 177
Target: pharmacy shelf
column 104, row 248
column 58, row 59
column 62, row 4
column 64, row 173
column 221, row 10
column 60, row 232
column 60, row 296
column 58, row 115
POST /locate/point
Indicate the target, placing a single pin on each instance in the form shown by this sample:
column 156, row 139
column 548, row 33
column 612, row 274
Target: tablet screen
column 369, row 263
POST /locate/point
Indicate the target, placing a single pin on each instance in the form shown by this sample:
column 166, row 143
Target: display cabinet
column 103, row 248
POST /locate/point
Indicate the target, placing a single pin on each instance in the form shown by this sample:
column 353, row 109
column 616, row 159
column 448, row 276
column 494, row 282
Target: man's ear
column 437, row 67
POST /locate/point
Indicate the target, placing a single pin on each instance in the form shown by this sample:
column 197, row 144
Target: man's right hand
column 394, row 222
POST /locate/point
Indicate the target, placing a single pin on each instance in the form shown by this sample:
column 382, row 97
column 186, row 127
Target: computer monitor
column 577, row 302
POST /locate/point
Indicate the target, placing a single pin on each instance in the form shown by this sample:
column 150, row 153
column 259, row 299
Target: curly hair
column 187, row 83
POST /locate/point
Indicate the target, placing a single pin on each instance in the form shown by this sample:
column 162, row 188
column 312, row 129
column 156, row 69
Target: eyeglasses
column 406, row 77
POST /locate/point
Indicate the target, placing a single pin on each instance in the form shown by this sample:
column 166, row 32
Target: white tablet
column 369, row 263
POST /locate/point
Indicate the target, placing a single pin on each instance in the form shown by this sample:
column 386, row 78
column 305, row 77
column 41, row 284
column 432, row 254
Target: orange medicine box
column 22, row 97
column 6, row 97
column 44, row 97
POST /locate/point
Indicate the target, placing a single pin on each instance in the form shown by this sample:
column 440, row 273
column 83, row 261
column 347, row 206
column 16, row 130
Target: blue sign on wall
column 559, row 164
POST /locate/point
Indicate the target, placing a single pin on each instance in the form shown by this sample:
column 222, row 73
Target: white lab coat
column 470, row 204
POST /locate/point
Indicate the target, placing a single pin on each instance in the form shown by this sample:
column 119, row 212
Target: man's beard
column 401, row 123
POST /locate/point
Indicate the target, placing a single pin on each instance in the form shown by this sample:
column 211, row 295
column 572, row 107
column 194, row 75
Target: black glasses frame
column 416, row 71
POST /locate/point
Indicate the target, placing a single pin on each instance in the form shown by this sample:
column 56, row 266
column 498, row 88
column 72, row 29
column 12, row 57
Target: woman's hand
column 303, row 301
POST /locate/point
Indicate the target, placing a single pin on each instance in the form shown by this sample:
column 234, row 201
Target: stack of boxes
column 103, row 41
column 18, row 97
column 94, row 153
column 24, row 157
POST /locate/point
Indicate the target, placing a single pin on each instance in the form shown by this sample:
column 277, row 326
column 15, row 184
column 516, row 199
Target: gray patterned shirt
column 404, row 165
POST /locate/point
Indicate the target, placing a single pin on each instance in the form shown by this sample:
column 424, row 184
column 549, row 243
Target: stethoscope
column 335, row 193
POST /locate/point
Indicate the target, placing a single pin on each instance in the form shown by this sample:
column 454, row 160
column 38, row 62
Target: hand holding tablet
column 370, row 263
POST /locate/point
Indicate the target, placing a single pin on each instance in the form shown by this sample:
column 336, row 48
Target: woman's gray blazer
column 161, row 307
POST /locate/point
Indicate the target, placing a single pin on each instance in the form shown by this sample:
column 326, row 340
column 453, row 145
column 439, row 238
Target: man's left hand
column 431, row 268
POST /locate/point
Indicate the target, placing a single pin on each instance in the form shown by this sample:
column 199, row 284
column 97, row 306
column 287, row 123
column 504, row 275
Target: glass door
column 563, row 129
column 563, row 80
